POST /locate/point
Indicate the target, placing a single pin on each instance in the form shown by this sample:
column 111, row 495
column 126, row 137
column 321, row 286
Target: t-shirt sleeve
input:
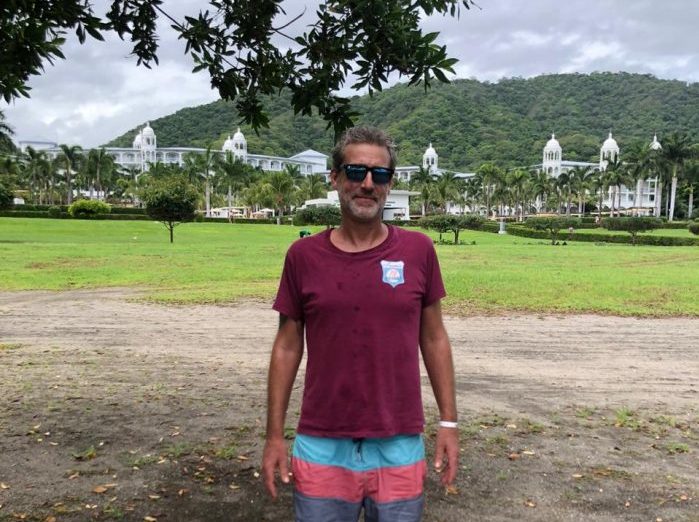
column 288, row 301
column 435, row 286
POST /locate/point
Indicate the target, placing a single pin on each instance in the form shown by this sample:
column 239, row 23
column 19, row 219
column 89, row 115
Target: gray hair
column 357, row 135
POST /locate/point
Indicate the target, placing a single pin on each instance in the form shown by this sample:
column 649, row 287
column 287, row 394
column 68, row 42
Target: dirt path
column 563, row 418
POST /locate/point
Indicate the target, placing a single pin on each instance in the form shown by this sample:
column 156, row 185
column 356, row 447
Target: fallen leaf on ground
column 528, row 452
column 242, row 457
column 234, row 486
column 530, row 503
column 513, row 456
column 102, row 488
column 150, row 519
column 577, row 476
column 451, row 490
column 154, row 497
column 4, row 486
column 183, row 492
column 50, row 518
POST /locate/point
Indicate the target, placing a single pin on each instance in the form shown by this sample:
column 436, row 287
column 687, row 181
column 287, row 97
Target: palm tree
column 599, row 185
column 282, row 190
column 490, row 177
column 541, row 188
column 518, row 183
column 579, row 183
column 445, row 189
column 421, row 181
column 472, row 195
column 638, row 158
column 232, row 172
column 69, row 159
column 616, row 176
column 676, row 151
column 6, row 133
column 691, row 172
column 99, row 164
column 33, row 161
column 313, row 186
column 563, row 186
column 201, row 167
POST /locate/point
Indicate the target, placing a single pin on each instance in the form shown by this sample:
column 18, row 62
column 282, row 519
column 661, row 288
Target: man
column 366, row 295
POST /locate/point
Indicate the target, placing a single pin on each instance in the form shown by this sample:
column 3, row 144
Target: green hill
column 468, row 121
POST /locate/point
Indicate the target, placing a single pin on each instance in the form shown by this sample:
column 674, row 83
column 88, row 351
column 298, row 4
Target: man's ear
column 333, row 179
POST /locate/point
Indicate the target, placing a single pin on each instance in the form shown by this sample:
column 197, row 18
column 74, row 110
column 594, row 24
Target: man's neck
column 358, row 237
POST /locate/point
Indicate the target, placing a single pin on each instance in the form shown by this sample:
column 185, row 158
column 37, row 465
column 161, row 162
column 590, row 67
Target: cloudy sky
column 98, row 92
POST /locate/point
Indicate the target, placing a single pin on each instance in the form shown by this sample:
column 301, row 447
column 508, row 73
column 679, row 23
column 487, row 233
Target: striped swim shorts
column 336, row 478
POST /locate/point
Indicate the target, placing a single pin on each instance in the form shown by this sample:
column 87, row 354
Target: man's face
column 362, row 201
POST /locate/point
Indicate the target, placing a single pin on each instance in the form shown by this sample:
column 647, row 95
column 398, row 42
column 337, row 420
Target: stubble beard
column 361, row 212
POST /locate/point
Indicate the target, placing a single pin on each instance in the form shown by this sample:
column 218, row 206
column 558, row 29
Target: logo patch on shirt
column 393, row 272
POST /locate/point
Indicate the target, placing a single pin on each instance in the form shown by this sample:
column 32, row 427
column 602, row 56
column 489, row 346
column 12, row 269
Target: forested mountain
column 470, row 122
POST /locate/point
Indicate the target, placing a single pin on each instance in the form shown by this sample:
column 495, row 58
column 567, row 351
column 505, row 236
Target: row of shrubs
column 523, row 231
column 65, row 208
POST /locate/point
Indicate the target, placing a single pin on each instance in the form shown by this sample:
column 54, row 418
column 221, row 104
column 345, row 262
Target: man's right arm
column 287, row 352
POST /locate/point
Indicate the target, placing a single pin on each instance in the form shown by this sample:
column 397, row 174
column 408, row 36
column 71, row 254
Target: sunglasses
column 357, row 173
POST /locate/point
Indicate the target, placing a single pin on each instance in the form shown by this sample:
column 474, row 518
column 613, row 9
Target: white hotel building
column 648, row 190
column 145, row 151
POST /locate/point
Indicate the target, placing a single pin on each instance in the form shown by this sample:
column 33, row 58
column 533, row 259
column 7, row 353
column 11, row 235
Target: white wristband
column 448, row 424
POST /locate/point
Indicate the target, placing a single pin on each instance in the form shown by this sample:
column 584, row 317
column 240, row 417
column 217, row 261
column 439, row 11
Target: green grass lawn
column 212, row 262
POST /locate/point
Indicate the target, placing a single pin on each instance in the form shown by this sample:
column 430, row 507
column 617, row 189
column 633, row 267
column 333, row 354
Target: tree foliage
column 237, row 42
column 328, row 216
column 552, row 225
column 443, row 223
column 88, row 208
column 6, row 197
column 694, row 228
column 171, row 200
column 632, row 225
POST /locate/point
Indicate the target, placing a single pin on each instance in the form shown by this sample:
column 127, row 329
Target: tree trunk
column 171, row 227
column 230, row 199
column 69, row 182
column 207, row 196
column 673, row 190
column 637, row 198
column 658, row 196
column 690, row 205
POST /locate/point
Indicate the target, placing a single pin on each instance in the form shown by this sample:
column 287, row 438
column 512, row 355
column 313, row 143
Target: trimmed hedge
column 47, row 214
column 694, row 228
column 522, row 231
column 89, row 209
column 675, row 224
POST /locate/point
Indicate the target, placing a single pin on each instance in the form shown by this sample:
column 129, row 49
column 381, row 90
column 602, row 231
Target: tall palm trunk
column 690, row 204
column 673, row 191
column 638, row 196
column 658, row 196
column 207, row 196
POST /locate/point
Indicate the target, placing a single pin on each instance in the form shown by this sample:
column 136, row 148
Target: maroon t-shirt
column 362, row 316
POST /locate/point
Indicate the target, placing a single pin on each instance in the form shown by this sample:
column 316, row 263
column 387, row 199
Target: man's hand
column 275, row 457
column 446, row 457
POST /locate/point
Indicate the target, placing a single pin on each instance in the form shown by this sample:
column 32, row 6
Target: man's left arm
column 436, row 353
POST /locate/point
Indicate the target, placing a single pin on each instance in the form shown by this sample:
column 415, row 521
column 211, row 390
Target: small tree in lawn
column 694, row 228
column 552, row 225
column 443, row 223
column 171, row 201
column 632, row 225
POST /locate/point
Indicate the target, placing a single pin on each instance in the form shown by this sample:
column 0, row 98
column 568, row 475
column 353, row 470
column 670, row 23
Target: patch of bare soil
column 120, row 410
